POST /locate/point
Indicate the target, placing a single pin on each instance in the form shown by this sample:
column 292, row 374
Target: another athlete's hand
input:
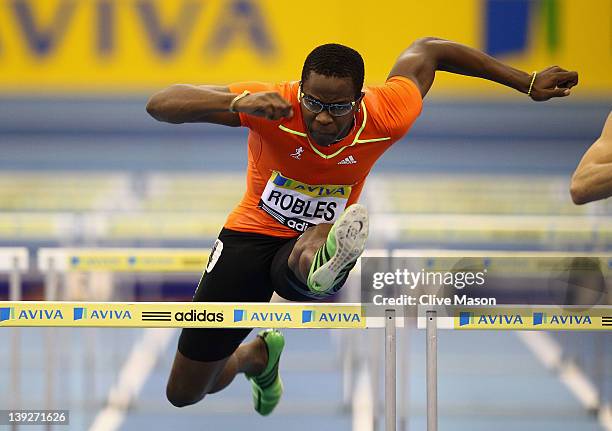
column 553, row 82
column 268, row 105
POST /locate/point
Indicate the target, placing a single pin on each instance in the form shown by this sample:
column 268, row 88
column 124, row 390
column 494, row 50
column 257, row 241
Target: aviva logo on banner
column 44, row 28
column 551, row 318
column 297, row 315
column 491, row 319
column 33, row 314
column 241, row 315
column 314, row 316
column 79, row 313
column 561, row 320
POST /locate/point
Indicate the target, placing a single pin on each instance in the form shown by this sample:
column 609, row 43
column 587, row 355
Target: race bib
column 299, row 206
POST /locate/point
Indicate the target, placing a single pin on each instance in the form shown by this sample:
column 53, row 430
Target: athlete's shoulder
column 289, row 89
column 393, row 89
column 396, row 92
column 394, row 105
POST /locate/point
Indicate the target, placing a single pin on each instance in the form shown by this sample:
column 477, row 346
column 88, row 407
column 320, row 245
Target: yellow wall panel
column 59, row 46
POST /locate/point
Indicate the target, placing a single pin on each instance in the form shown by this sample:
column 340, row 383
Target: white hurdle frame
column 15, row 262
column 431, row 358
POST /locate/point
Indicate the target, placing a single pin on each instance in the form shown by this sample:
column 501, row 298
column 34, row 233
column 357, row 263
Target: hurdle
column 294, row 315
column 433, row 318
column 15, row 262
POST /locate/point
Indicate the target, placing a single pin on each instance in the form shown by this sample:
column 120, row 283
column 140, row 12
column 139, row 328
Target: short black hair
column 339, row 61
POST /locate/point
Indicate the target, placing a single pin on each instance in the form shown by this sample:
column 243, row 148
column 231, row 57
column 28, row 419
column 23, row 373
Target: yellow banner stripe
column 193, row 262
column 180, row 315
column 537, row 318
column 282, row 315
column 125, row 260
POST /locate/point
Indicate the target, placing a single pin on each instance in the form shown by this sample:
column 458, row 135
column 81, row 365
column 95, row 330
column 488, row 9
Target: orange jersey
column 292, row 183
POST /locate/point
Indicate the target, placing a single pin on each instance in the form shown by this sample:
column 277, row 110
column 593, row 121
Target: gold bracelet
column 535, row 72
column 245, row 93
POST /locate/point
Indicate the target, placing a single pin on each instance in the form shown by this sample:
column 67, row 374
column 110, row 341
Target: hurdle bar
column 291, row 315
column 304, row 315
column 187, row 315
column 122, row 259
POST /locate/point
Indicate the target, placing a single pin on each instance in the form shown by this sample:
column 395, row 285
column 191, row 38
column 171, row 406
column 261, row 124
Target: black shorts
column 243, row 267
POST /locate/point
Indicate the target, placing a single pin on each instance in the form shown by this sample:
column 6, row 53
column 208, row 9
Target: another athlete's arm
column 183, row 103
column 592, row 179
column 427, row 55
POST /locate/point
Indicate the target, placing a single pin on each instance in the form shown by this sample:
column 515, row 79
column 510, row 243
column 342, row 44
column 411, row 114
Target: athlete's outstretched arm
column 181, row 103
column 592, row 179
column 427, row 55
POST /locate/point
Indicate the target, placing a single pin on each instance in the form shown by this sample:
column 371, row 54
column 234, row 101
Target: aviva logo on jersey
column 324, row 190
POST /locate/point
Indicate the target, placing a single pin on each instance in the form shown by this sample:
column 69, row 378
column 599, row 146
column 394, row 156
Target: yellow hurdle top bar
column 288, row 315
column 182, row 315
column 194, row 260
column 122, row 259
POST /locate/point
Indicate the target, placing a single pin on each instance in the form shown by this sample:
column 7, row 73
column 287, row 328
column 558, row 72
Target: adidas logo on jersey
column 349, row 160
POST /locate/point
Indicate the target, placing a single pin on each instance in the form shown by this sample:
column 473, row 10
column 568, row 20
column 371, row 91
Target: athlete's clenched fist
column 553, row 82
column 268, row 105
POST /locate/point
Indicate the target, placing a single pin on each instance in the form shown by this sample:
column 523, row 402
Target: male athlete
column 592, row 179
column 298, row 229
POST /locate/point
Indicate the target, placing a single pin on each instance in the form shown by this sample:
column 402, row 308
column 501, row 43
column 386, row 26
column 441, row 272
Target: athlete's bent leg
column 190, row 380
column 250, row 358
column 208, row 359
column 305, row 248
column 317, row 264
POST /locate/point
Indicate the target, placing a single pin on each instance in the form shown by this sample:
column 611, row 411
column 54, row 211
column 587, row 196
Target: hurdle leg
column 404, row 375
column 432, row 371
column 51, row 288
column 390, row 371
column 373, row 360
column 346, row 356
column 90, row 393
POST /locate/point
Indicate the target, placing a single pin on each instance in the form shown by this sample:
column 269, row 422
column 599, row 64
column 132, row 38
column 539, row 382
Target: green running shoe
column 345, row 243
column 267, row 387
